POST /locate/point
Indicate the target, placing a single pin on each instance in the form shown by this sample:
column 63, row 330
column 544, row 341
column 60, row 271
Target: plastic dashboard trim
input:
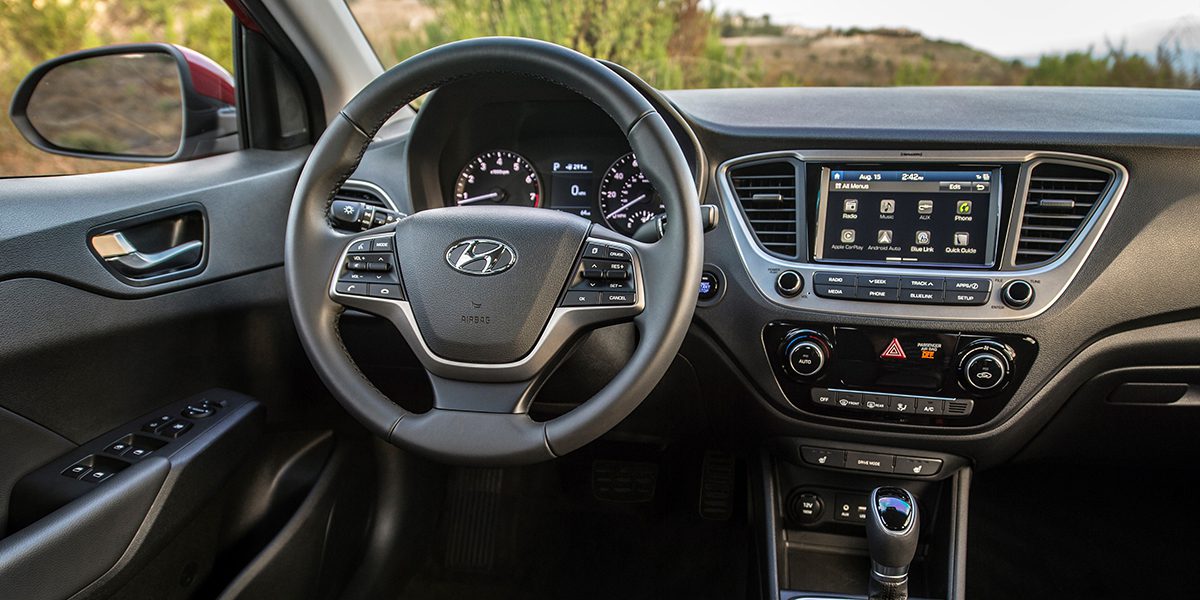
column 1051, row 279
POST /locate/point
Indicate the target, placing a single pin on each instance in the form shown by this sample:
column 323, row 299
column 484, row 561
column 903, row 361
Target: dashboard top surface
column 1085, row 112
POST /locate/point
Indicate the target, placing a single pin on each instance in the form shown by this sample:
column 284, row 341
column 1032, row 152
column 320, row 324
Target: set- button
column 903, row 289
column 893, row 403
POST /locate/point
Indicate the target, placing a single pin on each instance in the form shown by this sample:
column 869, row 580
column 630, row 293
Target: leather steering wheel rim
column 671, row 266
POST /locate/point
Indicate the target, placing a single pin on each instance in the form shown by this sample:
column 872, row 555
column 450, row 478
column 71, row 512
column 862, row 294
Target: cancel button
column 867, row 461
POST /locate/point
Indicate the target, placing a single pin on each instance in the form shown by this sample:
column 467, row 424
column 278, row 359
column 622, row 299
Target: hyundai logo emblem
column 481, row 256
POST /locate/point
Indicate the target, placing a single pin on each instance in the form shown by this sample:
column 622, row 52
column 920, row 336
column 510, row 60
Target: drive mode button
column 869, row 461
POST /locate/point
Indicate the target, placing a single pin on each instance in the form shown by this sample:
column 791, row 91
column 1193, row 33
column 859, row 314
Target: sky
column 1011, row 29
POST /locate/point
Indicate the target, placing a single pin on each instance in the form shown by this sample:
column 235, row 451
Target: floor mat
column 1073, row 532
column 543, row 532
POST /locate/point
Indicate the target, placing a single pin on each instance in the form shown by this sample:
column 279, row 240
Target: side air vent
column 1061, row 198
column 357, row 192
column 767, row 193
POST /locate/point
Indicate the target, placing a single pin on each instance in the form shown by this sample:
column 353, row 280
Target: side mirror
column 152, row 103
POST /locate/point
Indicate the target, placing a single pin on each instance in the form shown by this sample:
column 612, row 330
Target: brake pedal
column 624, row 481
column 717, row 486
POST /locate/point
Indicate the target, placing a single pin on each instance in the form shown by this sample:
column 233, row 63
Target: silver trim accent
column 363, row 185
column 564, row 323
column 1050, row 280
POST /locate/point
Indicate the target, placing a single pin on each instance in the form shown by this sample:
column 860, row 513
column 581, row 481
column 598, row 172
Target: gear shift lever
column 893, row 525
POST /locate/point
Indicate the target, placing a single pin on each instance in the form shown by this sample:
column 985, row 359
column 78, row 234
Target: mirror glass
column 129, row 104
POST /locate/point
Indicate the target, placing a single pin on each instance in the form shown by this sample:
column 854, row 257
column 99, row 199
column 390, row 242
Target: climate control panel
column 916, row 377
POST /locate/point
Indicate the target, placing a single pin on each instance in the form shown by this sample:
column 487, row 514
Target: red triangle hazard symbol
column 893, row 350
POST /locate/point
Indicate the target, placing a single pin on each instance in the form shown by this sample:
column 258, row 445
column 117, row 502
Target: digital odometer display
column 908, row 218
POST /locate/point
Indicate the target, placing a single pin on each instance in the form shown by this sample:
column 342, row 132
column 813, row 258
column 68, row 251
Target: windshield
column 752, row 43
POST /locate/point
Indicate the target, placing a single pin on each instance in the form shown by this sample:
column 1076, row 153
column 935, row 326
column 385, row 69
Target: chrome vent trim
column 1059, row 200
column 766, row 192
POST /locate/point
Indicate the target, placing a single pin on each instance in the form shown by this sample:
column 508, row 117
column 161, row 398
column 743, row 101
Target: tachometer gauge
column 627, row 200
column 498, row 177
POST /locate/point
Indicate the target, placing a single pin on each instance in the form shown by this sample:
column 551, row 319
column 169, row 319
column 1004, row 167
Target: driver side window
column 84, row 116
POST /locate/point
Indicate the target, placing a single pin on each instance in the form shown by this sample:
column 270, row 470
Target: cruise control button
column 581, row 299
column 825, row 457
column 969, row 285
column 381, row 290
column 616, row 275
column 972, row 298
column 617, row 254
column 909, row 465
column 835, row 291
column 922, row 296
column 922, row 283
column 904, row 404
column 879, row 281
column 833, row 279
column 352, row 288
column 848, row 399
column 617, row 298
column 880, row 402
column 884, row 294
column 822, row 396
column 929, row 406
column 870, row 461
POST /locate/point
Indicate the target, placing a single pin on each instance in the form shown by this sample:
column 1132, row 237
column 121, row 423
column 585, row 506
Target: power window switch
column 137, row 453
column 175, row 428
column 117, row 448
column 97, row 475
column 152, row 425
column 77, row 471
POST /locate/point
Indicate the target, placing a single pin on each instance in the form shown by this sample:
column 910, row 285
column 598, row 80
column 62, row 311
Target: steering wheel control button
column 384, row 244
column 789, row 283
column 382, row 290
column 921, row 467
column 870, row 461
column 1017, row 294
column 985, row 370
column 361, row 246
column 352, row 288
column 175, row 428
column 823, row 457
column 575, row 298
column 617, row 298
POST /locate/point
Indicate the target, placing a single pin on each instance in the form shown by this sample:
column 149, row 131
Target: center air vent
column 1061, row 198
column 767, row 194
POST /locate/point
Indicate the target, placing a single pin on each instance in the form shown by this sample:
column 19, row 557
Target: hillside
column 868, row 58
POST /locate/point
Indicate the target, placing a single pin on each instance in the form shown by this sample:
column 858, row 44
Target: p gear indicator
column 894, row 350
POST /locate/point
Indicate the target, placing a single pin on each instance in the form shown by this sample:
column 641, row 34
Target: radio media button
column 878, row 402
column 922, row 283
column 882, row 294
column 848, row 399
column 972, row 298
column 969, row 285
column 841, row 279
column 904, row 404
column 922, row 296
column 835, row 291
column 878, row 281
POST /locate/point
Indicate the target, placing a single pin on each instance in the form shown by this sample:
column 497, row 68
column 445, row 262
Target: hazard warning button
column 894, row 350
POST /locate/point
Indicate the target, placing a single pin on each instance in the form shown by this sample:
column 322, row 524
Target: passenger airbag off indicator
column 894, row 350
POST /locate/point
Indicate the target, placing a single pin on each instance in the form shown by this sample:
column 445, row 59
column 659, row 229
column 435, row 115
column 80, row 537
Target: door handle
column 119, row 252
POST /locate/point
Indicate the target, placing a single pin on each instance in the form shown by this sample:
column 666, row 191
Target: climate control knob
column 985, row 367
column 805, row 354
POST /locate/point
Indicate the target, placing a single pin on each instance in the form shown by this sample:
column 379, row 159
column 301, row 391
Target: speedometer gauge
column 627, row 200
column 498, row 177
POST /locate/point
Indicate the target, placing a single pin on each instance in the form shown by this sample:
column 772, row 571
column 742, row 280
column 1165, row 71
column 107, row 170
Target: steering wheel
column 490, row 298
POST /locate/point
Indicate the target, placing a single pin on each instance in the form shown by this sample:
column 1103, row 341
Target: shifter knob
column 893, row 526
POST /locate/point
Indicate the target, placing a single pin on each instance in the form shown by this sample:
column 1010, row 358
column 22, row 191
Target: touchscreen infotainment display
column 908, row 217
